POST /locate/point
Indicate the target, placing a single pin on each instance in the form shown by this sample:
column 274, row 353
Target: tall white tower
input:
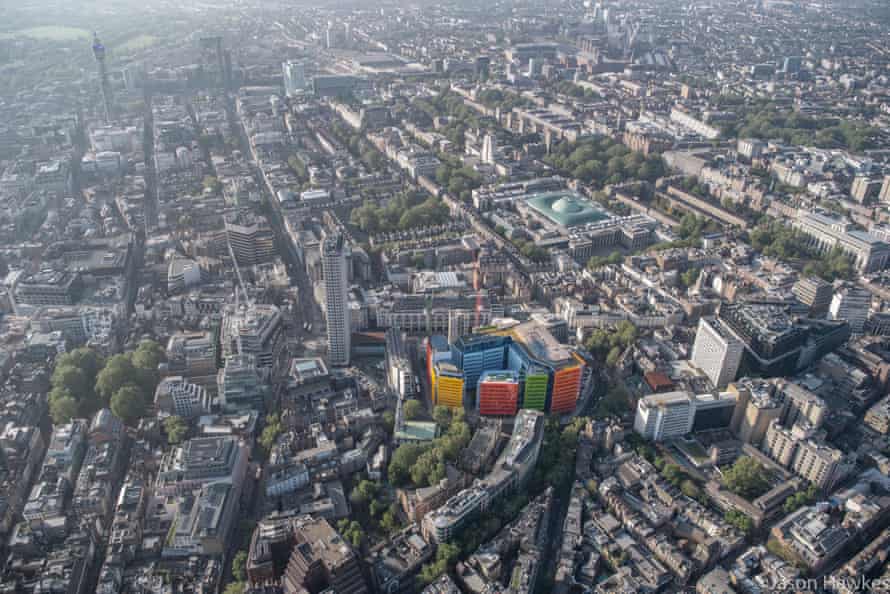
column 716, row 352
column 294, row 77
column 336, row 285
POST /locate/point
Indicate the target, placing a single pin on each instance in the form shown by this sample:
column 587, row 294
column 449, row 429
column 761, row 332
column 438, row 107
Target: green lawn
column 50, row 33
column 137, row 43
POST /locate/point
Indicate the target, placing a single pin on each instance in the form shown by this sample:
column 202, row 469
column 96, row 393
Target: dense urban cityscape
column 569, row 296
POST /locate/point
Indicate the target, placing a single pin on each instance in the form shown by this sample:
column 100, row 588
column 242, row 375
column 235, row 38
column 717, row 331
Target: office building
column 336, row 274
column 777, row 343
column 240, row 386
column 399, row 376
column 851, row 304
column 714, row 410
column 200, row 461
column 717, row 352
column 665, row 416
column 250, row 238
column 334, row 85
column 294, row 73
column 48, row 287
column 815, row 293
column 303, row 554
column 253, row 329
column 175, row 396
column 448, row 385
column 498, row 393
column 772, row 340
column 549, row 372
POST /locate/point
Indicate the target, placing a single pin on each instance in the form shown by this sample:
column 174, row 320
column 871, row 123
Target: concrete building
column 799, row 404
column 664, row 416
column 176, row 396
column 336, row 285
column 717, row 352
column 240, row 386
column 815, row 293
column 851, row 304
column 756, row 408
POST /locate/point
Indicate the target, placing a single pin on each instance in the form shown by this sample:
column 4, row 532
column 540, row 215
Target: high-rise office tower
column 717, row 352
column 294, row 77
column 99, row 54
column 336, row 299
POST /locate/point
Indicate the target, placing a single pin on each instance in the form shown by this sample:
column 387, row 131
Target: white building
column 176, row 396
column 717, row 352
column 294, row 77
column 664, row 416
column 336, row 275
column 851, row 303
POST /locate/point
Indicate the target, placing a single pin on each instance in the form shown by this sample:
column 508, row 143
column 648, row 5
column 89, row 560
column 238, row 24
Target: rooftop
column 566, row 208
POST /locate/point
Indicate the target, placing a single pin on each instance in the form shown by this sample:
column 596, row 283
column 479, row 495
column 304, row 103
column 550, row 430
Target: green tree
column 85, row 359
column 690, row 489
column 239, row 566
column 212, row 183
column 446, row 556
column 389, row 421
column 235, row 588
column 364, row 493
column 176, row 429
column 403, row 459
column 412, row 409
column 746, row 478
column 128, row 403
column 270, row 433
column 739, row 520
column 146, row 358
column 72, row 379
column 118, row 371
column 62, row 406
column 442, row 416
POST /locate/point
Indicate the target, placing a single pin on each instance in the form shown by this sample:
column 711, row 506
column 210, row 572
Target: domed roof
column 567, row 205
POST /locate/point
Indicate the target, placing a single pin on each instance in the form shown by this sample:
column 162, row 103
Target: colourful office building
column 448, row 385
column 497, row 393
column 548, row 373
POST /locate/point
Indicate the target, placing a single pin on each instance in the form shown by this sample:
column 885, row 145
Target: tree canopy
column 601, row 161
column 407, row 210
column 747, row 478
